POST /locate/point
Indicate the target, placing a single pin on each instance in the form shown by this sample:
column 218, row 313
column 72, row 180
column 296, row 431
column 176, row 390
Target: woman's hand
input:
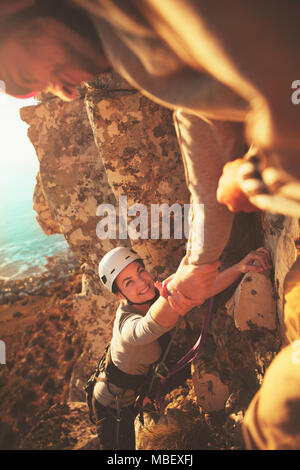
column 261, row 257
column 179, row 302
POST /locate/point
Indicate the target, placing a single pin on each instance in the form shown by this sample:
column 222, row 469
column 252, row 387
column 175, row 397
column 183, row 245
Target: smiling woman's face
column 136, row 283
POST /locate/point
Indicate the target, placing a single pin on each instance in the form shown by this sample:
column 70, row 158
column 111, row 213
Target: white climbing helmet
column 114, row 262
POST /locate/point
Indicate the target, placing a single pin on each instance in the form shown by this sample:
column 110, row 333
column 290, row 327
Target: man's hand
column 194, row 282
column 229, row 192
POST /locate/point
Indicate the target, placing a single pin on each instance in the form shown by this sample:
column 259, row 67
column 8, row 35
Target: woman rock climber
column 144, row 315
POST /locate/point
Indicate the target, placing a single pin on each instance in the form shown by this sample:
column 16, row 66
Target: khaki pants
column 272, row 421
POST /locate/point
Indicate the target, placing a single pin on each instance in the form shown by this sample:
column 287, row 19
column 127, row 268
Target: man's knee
column 273, row 418
column 292, row 302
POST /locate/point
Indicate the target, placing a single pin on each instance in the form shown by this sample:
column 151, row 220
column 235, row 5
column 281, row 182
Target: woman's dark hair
column 115, row 289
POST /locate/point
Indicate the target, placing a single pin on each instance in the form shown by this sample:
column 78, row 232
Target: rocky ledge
column 42, row 345
column 57, row 269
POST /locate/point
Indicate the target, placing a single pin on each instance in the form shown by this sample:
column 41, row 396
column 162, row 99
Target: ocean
column 23, row 245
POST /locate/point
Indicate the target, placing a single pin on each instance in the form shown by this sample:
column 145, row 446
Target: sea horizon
column 24, row 247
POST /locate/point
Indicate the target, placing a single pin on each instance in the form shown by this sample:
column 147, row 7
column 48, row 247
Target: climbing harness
column 91, row 382
column 161, row 368
column 193, row 352
column 158, row 376
column 113, row 375
column 118, row 419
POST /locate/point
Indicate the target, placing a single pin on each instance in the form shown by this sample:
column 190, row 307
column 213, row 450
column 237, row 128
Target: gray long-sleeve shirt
column 134, row 347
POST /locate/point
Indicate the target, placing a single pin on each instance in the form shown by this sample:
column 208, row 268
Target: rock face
column 73, row 183
column 253, row 304
column 113, row 148
column 211, row 393
column 44, row 217
column 125, row 146
column 247, row 325
column 280, row 235
column 138, row 147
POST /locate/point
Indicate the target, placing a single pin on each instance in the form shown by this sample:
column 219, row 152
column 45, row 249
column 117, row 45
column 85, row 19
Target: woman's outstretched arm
column 225, row 278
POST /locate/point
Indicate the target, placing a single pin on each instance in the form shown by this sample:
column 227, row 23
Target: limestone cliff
column 109, row 142
column 123, row 145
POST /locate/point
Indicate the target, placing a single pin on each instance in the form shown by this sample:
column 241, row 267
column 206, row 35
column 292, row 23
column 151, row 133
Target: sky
column 18, row 163
column 15, row 147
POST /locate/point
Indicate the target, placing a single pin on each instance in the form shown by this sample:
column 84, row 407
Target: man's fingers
column 180, row 299
column 174, row 304
column 180, row 303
